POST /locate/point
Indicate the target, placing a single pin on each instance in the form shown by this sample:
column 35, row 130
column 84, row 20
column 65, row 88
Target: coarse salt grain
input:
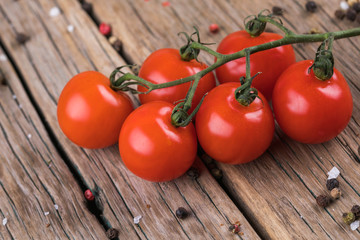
column 14, row 96
column 29, row 135
column 354, row 225
column 3, row 57
column 137, row 219
column 344, row 5
column 70, row 28
column 46, row 213
column 55, row 11
column 333, row 173
column 4, row 222
column 56, row 207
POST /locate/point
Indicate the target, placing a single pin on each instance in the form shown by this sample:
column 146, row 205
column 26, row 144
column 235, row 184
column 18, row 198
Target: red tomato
column 230, row 132
column 271, row 63
column 90, row 113
column 152, row 148
column 310, row 110
column 165, row 65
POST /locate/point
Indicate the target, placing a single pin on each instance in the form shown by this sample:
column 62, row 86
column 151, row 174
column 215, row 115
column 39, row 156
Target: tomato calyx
column 253, row 25
column 187, row 52
column 323, row 65
column 126, row 80
column 179, row 115
column 245, row 94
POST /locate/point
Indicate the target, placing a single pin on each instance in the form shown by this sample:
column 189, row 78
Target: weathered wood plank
column 38, row 195
column 47, row 61
column 278, row 190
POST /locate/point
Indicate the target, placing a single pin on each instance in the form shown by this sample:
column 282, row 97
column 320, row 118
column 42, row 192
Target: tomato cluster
column 307, row 109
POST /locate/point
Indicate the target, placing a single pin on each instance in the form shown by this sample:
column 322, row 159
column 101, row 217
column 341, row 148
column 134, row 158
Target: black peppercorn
column 332, row 183
column 323, row 200
column 277, row 11
column 112, row 233
column 358, row 21
column 216, row 173
column 193, row 173
column 2, row 78
column 356, row 7
column 340, row 14
column 87, row 7
column 181, row 213
column 311, row 6
column 356, row 211
column 22, row 38
column 234, row 228
column 351, row 14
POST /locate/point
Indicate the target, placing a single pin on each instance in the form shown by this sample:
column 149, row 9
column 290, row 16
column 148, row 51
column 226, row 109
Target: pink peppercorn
column 89, row 195
column 105, row 29
column 165, row 3
column 214, row 28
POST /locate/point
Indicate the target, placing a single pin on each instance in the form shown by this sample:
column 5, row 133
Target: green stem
column 222, row 59
column 248, row 72
column 276, row 23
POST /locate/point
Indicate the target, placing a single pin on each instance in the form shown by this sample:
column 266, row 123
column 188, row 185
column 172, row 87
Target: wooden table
column 43, row 175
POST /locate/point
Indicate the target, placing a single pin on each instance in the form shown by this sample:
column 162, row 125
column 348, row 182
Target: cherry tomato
column 165, row 65
column 152, row 148
column 310, row 110
column 271, row 63
column 230, row 132
column 90, row 113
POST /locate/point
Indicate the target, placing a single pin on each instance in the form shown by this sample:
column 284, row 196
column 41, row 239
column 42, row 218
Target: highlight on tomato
column 310, row 110
column 166, row 65
column 271, row 63
column 152, row 147
column 231, row 132
column 90, row 113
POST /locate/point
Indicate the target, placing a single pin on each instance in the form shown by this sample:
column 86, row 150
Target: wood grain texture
column 278, row 190
column 47, row 61
column 38, row 195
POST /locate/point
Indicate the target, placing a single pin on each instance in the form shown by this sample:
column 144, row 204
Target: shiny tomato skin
column 310, row 110
column 90, row 113
column 152, row 148
column 271, row 63
column 230, row 132
column 165, row 65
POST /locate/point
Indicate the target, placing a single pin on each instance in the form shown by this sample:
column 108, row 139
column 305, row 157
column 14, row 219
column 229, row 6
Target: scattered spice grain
column 348, row 218
column 277, row 11
column 216, row 173
column 193, row 173
column 234, row 228
column 89, row 195
column 356, row 211
column 105, row 29
column 332, row 183
column 214, row 28
column 22, row 38
column 112, row 233
column 356, row 7
column 181, row 213
column 351, row 14
column 311, row 6
column 335, row 193
column 87, row 7
column 323, row 200
column 340, row 14
column 165, row 3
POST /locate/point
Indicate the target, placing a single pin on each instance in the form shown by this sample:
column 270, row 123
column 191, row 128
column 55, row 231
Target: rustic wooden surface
column 276, row 193
column 46, row 62
column 38, row 195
